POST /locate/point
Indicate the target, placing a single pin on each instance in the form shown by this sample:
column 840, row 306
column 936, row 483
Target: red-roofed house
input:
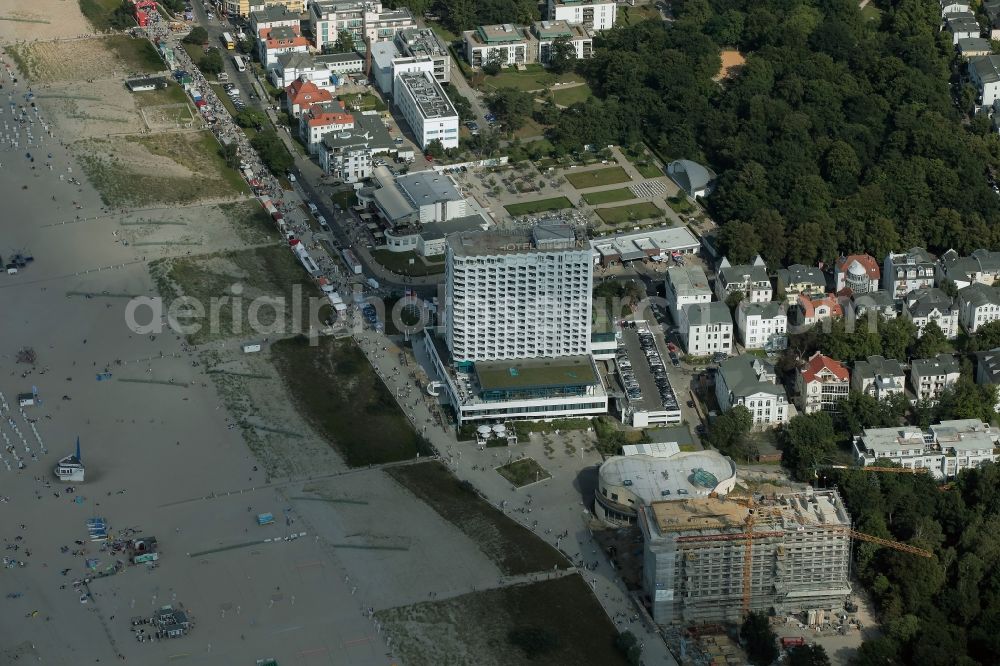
column 858, row 272
column 272, row 42
column 323, row 118
column 822, row 383
column 302, row 94
column 817, row 307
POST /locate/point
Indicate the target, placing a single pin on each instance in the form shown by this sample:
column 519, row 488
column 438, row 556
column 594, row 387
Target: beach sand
column 156, row 441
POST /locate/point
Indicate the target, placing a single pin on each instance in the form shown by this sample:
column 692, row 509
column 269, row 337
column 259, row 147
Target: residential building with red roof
column 821, row 384
column 858, row 272
column 814, row 308
column 320, row 119
column 275, row 41
column 302, row 94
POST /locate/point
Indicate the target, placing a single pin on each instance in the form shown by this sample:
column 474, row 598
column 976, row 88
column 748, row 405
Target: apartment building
column 246, row 8
column 875, row 304
column 274, row 42
column 707, row 328
column 694, row 554
column 273, row 16
column 930, row 304
column 302, row 94
column 762, row 325
column 878, row 377
column 858, row 272
column 984, row 74
column 506, row 45
column 685, row 285
column 592, row 14
column 988, row 371
column 348, row 155
column 423, row 43
column 945, row 449
column 322, row 119
column 815, row 308
column 978, row 304
column 799, row 279
column 980, row 267
column 930, row 377
column 328, row 18
column 908, row 271
column 962, row 25
column 427, row 109
column 518, row 295
column 545, row 33
column 752, row 383
column 750, row 279
column 821, row 384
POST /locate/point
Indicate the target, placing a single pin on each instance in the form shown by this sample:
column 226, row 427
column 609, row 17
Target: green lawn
column 345, row 199
column 172, row 94
column 99, row 11
column 137, row 53
column 446, row 35
column 638, row 14
column 523, row 472
column 608, row 196
column 581, row 180
column 399, row 263
column 534, row 77
column 648, row 170
column 680, row 205
column 220, row 92
column 539, row 206
column 514, row 549
column 362, row 102
column 570, row 96
column 630, row 213
column 194, row 51
column 554, row 621
column 338, row 393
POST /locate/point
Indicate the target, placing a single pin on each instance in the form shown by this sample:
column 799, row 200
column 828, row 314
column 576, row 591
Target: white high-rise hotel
column 518, row 295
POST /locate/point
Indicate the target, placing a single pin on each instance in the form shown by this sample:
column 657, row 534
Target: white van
column 312, row 208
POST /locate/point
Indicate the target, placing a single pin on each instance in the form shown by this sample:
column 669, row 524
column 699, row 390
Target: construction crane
column 748, row 535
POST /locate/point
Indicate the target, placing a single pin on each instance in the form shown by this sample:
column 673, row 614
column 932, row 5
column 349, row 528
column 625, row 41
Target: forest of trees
column 839, row 134
column 937, row 611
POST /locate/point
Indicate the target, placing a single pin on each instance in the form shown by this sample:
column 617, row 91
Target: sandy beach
column 155, row 437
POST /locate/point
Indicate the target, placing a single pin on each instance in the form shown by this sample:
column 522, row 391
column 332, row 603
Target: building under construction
column 713, row 560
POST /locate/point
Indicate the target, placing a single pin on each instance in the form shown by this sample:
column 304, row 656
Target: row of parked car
column 648, row 343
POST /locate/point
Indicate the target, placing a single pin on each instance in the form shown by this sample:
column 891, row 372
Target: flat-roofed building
column 944, row 449
column 592, row 14
column 694, row 550
column 655, row 244
column 530, row 388
column 424, row 43
column 427, row 110
column 650, row 399
column 628, row 482
column 546, row 33
column 518, row 295
column 685, row 285
column 505, row 44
